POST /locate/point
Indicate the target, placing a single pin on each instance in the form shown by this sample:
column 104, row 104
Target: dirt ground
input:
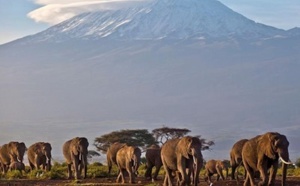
column 291, row 181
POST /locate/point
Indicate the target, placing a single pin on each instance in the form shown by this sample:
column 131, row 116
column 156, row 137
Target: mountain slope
column 105, row 71
column 172, row 19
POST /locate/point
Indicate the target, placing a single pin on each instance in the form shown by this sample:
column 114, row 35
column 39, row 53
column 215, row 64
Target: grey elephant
column 39, row 154
column 153, row 159
column 128, row 160
column 215, row 167
column 16, row 165
column 11, row 152
column 262, row 153
column 236, row 157
column 75, row 152
column 111, row 154
column 177, row 155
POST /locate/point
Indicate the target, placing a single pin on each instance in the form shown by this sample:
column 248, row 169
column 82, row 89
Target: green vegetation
column 97, row 170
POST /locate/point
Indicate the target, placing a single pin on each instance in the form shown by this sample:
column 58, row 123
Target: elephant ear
column 74, row 146
column 128, row 150
column 48, row 146
column 12, row 147
column 183, row 146
column 218, row 164
column 22, row 146
column 36, row 148
column 266, row 144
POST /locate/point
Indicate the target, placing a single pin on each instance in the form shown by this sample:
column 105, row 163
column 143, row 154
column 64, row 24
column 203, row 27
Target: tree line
column 143, row 138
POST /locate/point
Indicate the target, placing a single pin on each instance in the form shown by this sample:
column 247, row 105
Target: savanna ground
column 97, row 175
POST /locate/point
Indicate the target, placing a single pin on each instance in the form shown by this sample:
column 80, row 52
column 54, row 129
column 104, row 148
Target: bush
column 96, row 171
column 297, row 163
column 14, row 174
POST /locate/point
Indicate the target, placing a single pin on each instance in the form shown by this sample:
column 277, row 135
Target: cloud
column 56, row 11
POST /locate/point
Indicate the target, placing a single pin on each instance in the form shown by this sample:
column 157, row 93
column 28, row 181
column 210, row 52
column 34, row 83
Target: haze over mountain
column 191, row 64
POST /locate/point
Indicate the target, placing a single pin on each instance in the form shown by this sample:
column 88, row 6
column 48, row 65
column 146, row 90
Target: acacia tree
column 163, row 134
column 139, row 137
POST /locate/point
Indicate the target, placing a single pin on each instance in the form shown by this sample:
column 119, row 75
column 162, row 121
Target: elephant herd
column 180, row 158
column 39, row 156
column 259, row 155
column 11, row 156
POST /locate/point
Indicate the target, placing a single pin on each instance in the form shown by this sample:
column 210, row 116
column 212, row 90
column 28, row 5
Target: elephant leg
column 5, row 168
column 209, row 177
column 264, row 175
column 272, row 173
column 165, row 180
column 233, row 168
column 31, row 166
column 76, row 167
column 247, row 180
column 220, row 173
column 123, row 175
column 69, row 171
column 184, row 178
column 218, row 177
column 148, row 172
column 157, row 168
column 131, row 174
column 109, row 169
column 168, row 179
column 118, row 177
column 250, row 175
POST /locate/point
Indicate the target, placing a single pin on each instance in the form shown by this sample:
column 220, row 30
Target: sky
column 20, row 18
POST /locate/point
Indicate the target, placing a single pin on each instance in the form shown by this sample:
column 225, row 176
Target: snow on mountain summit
column 174, row 19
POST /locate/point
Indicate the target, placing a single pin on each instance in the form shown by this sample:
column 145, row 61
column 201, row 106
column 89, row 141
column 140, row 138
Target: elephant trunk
column 136, row 164
column 284, row 169
column 20, row 158
column 284, row 158
column 83, row 164
column 197, row 159
column 48, row 165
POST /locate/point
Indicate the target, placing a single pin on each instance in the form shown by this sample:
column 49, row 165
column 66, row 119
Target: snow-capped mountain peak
column 173, row 19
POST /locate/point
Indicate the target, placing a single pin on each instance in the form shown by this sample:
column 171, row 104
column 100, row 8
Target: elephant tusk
column 195, row 160
column 283, row 161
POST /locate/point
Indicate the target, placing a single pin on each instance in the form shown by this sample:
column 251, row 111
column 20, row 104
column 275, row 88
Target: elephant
column 16, row 165
column 236, row 156
column 153, row 159
column 75, row 152
column 262, row 153
column 112, row 153
column 128, row 159
column 11, row 152
column 180, row 154
column 215, row 167
column 40, row 154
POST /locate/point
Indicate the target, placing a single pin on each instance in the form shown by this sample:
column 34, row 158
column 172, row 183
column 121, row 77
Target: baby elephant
column 17, row 166
column 216, row 167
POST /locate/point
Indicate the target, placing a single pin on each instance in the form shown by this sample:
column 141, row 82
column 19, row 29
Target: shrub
column 96, row 171
column 14, row 174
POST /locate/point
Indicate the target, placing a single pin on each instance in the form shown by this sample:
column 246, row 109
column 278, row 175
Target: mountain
column 171, row 19
column 183, row 63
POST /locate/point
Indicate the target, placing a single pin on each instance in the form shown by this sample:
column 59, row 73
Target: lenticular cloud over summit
column 56, row 11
